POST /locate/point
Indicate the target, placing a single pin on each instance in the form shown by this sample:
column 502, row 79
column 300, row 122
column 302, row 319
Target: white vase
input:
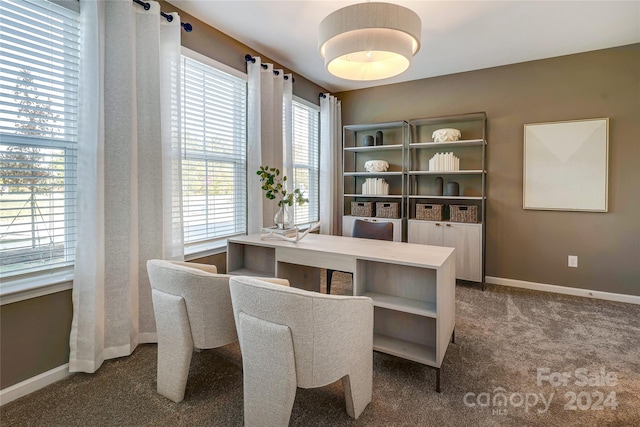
column 283, row 218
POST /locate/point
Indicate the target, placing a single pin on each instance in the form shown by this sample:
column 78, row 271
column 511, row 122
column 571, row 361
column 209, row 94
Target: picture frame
column 566, row 165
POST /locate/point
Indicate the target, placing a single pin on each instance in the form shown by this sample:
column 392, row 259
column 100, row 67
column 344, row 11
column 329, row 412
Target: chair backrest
column 373, row 230
column 206, row 297
column 322, row 326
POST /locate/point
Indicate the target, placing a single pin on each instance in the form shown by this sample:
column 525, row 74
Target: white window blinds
column 214, row 171
column 38, row 135
column 306, row 160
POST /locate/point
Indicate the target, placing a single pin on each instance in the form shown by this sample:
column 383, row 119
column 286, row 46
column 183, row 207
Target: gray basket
column 362, row 208
column 464, row 213
column 427, row 212
column 387, row 210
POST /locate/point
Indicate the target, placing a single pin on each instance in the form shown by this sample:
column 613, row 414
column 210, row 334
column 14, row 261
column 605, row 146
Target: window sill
column 33, row 286
column 205, row 249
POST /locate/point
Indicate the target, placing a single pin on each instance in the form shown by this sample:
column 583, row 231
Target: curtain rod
column 187, row 27
column 248, row 58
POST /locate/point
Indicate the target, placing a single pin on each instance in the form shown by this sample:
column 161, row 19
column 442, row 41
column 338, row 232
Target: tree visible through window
column 38, row 110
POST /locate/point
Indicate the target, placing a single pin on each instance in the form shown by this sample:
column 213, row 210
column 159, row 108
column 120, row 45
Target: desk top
column 412, row 254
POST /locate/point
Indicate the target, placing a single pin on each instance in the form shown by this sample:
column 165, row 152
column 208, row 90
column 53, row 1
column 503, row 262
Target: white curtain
column 269, row 107
column 330, row 165
column 128, row 175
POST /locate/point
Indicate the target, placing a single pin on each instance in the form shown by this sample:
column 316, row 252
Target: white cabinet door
column 467, row 239
column 426, row 233
column 348, row 221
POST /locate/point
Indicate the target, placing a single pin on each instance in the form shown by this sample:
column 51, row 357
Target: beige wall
column 533, row 245
column 34, row 336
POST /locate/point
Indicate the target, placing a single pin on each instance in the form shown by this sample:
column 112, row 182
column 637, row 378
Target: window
column 214, row 170
column 306, row 159
column 38, row 136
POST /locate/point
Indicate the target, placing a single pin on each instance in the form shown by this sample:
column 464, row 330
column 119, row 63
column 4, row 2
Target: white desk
column 412, row 286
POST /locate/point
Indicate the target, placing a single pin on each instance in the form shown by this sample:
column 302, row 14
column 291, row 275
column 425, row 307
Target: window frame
column 212, row 246
column 43, row 281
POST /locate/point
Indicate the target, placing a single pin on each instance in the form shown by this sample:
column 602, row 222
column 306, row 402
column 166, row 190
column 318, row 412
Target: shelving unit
column 467, row 238
column 407, row 147
column 355, row 154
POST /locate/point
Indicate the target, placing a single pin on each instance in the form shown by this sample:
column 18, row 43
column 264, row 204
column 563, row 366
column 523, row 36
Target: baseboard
column 34, row 383
column 588, row 293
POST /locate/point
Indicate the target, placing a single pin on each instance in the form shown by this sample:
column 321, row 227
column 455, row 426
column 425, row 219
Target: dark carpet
column 520, row 358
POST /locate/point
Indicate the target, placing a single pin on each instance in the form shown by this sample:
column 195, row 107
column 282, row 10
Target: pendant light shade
column 369, row 41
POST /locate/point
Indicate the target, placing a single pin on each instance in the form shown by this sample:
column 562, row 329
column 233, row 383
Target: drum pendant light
column 369, row 41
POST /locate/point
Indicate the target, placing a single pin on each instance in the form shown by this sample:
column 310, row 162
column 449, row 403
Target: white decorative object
column 444, row 162
column 375, row 186
column 369, row 41
column 376, row 165
column 445, row 135
column 565, row 165
column 289, row 235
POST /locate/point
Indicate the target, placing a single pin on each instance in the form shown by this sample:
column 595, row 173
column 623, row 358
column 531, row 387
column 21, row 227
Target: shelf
column 446, row 221
column 462, row 143
column 250, row 272
column 447, row 197
column 382, row 196
column 375, row 148
column 373, row 173
column 459, row 172
column 375, row 127
column 420, row 353
column 421, row 308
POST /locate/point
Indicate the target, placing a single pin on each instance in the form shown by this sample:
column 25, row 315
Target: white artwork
column 565, row 165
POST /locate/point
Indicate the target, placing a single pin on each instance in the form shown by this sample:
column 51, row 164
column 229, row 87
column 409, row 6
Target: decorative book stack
column 286, row 232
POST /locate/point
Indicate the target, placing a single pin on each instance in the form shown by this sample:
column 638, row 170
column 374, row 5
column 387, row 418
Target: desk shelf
column 421, row 308
column 420, row 353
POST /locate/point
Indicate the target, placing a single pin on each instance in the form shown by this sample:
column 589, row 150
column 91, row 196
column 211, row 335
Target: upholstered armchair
column 295, row 338
column 193, row 310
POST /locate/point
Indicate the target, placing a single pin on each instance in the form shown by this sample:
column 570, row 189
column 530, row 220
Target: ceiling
column 457, row 36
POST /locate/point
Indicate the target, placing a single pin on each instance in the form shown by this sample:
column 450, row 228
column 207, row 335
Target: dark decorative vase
column 379, row 137
column 453, row 189
column 368, row 141
column 439, row 186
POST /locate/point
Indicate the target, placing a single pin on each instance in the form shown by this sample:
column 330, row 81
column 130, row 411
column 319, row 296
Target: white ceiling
column 457, row 36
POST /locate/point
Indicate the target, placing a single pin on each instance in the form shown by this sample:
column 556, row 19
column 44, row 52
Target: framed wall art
column 566, row 165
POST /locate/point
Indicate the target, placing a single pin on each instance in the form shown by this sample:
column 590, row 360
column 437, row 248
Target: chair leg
column 358, row 389
column 329, row 276
column 175, row 344
column 269, row 372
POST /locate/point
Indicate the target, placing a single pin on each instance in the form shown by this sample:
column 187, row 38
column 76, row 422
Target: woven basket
column 428, row 212
column 387, row 210
column 464, row 213
column 362, row 208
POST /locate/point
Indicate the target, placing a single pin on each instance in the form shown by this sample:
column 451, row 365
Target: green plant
column 275, row 187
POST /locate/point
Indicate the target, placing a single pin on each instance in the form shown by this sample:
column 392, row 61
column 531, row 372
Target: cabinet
column 355, row 154
column 469, row 175
column 465, row 238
